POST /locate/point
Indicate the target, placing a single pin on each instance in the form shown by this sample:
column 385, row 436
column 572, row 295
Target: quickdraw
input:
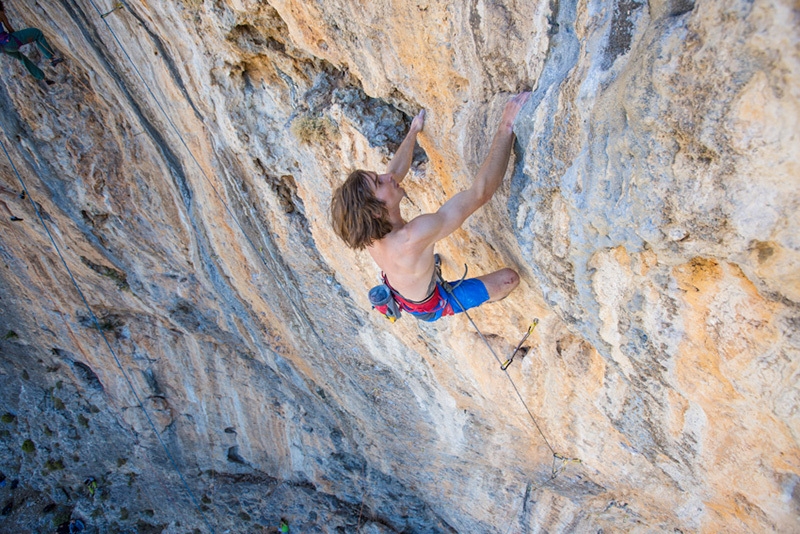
column 519, row 345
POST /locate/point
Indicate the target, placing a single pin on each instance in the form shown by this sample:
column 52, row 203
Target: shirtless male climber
column 365, row 212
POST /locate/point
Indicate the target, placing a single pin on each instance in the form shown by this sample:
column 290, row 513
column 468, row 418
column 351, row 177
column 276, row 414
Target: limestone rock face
column 179, row 323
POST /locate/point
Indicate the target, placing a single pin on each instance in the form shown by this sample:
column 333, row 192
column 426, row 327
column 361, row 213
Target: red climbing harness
column 435, row 302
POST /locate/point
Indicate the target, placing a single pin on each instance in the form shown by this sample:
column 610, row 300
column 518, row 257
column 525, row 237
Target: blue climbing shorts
column 470, row 293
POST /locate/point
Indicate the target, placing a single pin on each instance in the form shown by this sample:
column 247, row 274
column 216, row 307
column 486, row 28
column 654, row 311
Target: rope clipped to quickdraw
column 504, row 366
column 564, row 462
column 118, row 5
column 519, row 345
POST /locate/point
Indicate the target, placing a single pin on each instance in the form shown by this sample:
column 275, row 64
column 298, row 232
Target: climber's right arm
column 429, row 228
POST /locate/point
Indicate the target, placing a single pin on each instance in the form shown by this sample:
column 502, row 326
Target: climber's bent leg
column 500, row 283
column 34, row 35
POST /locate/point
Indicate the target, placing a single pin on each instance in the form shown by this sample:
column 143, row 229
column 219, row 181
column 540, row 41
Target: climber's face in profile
column 385, row 188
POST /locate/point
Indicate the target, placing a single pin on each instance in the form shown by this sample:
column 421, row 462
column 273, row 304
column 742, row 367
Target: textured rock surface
column 183, row 163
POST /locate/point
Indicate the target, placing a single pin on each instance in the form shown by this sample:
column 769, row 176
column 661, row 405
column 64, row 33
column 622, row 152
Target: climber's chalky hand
column 419, row 122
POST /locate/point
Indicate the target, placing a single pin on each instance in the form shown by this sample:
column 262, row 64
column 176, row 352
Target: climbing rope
column 504, row 367
column 449, row 289
column 510, row 360
column 99, row 328
column 257, row 251
column 530, row 488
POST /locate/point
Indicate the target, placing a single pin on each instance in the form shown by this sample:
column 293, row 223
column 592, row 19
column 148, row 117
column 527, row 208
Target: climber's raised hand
column 418, row 123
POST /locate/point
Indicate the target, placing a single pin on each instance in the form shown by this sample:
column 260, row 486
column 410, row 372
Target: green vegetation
column 58, row 403
column 53, row 465
column 8, row 417
column 123, row 514
column 310, row 129
column 28, row 446
column 11, row 335
column 121, row 461
column 91, row 486
column 83, row 421
column 119, row 278
column 62, row 517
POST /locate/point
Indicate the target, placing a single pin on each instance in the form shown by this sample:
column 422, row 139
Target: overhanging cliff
column 183, row 164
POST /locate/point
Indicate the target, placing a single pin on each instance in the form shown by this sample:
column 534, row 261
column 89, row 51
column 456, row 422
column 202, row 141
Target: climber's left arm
column 401, row 162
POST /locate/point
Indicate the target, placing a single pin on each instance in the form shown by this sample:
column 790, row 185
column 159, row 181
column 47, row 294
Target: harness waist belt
column 434, row 303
